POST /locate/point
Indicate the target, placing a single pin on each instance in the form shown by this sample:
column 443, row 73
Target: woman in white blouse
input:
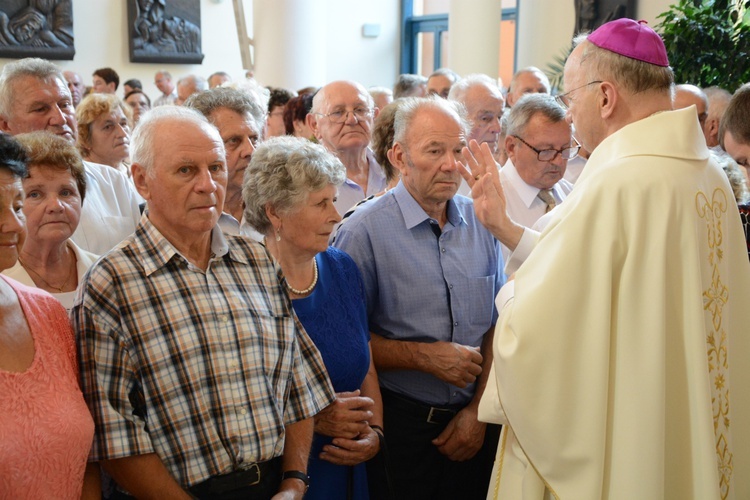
column 53, row 195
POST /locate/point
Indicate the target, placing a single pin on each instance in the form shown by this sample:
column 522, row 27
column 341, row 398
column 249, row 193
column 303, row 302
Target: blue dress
column 335, row 317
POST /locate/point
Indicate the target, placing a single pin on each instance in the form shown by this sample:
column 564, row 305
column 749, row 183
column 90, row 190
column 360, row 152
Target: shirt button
column 243, row 411
column 442, row 249
column 233, row 364
column 455, row 324
column 450, row 286
column 223, row 318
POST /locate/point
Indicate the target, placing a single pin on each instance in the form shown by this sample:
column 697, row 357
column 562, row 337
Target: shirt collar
column 414, row 214
column 157, row 251
column 375, row 175
column 526, row 192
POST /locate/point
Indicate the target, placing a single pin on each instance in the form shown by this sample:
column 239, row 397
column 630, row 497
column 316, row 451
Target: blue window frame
column 437, row 24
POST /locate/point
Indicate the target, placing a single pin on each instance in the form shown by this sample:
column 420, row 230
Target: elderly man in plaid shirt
column 200, row 378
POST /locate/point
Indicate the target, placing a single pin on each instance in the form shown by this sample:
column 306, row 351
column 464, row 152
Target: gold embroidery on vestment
column 715, row 297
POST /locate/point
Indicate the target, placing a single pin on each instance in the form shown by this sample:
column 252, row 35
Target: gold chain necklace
column 60, row 289
column 309, row 288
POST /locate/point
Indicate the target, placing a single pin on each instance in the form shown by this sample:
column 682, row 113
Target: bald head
column 342, row 116
column 686, row 95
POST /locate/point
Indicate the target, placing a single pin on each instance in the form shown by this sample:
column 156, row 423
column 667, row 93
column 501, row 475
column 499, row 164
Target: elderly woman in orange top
column 54, row 190
column 46, row 430
column 104, row 123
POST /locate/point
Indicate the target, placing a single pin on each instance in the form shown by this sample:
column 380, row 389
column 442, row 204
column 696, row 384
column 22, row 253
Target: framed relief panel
column 36, row 28
column 165, row 31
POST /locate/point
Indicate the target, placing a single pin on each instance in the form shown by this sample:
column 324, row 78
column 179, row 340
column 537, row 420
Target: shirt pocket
column 481, row 299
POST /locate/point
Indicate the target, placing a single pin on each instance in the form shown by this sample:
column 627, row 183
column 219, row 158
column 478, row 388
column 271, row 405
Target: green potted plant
column 708, row 42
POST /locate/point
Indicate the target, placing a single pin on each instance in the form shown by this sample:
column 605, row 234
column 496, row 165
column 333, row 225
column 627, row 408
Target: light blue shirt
column 350, row 193
column 421, row 288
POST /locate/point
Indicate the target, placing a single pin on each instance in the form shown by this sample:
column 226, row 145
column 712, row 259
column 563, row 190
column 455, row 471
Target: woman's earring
column 278, row 233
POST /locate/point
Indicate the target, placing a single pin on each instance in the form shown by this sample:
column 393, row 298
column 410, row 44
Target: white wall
column 100, row 28
column 545, row 27
column 370, row 61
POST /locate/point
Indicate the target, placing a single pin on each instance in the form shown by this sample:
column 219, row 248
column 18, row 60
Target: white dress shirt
column 110, row 210
column 521, row 199
column 230, row 225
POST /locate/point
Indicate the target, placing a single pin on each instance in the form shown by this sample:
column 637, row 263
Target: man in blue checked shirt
column 431, row 271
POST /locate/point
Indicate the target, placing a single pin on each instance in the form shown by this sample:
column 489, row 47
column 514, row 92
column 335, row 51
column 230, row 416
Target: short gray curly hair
column 236, row 99
column 283, row 172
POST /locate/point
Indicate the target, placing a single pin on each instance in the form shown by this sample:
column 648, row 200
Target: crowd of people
column 447, row 289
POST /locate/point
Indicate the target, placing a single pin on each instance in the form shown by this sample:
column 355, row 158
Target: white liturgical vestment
column 622, row 354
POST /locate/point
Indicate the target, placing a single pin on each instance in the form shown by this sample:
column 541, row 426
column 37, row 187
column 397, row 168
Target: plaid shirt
column 202, row 368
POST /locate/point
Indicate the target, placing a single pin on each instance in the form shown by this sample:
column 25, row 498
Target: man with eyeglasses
column 341, row 119
column 539, row 144
column 239, row 117
column 621, row 354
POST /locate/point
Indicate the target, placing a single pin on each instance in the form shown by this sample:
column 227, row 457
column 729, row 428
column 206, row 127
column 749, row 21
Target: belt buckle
column 257, row 470
column 433, row 412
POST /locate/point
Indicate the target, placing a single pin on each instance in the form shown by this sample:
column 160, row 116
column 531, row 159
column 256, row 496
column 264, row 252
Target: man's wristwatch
column 296, row 474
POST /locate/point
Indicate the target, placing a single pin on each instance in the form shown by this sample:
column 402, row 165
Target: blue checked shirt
column 424, row 288
column 202, row 368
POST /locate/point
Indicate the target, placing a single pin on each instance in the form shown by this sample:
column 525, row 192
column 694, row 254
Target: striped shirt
column 202, row 368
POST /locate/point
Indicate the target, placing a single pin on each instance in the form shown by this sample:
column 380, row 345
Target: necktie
column 546, row 196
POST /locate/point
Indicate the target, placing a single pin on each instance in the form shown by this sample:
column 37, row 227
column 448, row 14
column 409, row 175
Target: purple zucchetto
column 633, row 39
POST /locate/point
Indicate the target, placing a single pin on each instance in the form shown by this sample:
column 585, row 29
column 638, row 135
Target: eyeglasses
column 550, row 154
column 342, row 115
column 564, row 101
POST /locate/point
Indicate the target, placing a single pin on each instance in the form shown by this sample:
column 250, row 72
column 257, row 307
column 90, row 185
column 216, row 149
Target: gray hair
column 411, row 107
column 378, row 91
column 635, row 76
column 143, row 142
column 407, row 84
column 461, row 88
column 40, row 69
column 528, row 107
column 199, row 83
column 283, row 172
column 446, row 72
column 235, row 99
column 260, row 95
column 529, row 70
column 718, row 100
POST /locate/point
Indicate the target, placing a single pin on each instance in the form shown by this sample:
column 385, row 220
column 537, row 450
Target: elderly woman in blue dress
column 289, row 190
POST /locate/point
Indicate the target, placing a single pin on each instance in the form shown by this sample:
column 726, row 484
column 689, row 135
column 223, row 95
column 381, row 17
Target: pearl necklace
column 309, row 288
